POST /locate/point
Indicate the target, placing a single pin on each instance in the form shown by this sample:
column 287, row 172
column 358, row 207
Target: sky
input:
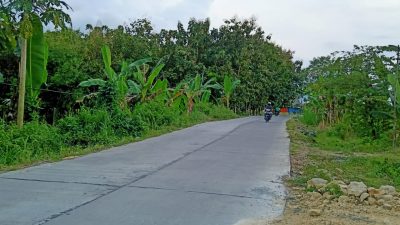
column 311, row 28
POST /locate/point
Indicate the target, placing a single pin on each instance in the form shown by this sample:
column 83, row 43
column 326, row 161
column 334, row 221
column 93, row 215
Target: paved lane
column 211, row 174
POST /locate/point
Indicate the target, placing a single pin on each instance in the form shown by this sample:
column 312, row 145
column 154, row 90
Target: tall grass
column 38, row 141
column 309, row 117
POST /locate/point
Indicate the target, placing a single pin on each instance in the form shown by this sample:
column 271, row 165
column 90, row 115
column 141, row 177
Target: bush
column 155, row 115
column 221, row 112
column 125, row 123
column 215, row 111
column 389, row 170
column 333, row 189
column 309, row 118
column 87, row 127
column 34, row 141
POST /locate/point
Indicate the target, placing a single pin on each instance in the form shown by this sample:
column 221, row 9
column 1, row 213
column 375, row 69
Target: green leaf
column 140, row 62
column 394, row 82
column 92, row 82
column 106, row 53
column 133, row 87
column 37, row 54
column 206, row 96
column 160, row 86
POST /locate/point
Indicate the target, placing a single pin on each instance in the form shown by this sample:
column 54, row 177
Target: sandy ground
column 333, row 212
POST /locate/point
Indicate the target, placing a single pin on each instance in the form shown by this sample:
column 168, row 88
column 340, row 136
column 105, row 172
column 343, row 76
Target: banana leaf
column 92, row 82
column 37, row 54
column 106, row 53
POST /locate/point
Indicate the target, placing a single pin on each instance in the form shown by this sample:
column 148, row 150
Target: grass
column 316, row 155
column 22, row 144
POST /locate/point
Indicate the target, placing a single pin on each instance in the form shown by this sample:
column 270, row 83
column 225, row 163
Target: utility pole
column 22, row 81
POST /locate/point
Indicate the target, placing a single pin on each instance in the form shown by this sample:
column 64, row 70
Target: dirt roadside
column 303, row 208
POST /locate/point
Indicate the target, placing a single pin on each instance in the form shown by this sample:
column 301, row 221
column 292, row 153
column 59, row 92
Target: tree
column 114, row 89
column 196, row 89
column 22, row 17
column 230, row 85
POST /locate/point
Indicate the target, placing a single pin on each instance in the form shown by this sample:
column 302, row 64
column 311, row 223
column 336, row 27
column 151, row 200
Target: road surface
column 215, row 173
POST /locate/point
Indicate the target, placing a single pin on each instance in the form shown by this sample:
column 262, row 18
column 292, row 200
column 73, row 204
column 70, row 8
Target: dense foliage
column 354, row 95
column 104, row 85
column 238, row 49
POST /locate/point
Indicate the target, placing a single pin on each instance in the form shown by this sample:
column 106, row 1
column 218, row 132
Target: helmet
column 269, row 103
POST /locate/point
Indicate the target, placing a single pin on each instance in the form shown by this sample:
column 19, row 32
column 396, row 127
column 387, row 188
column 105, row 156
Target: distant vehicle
column 267, row 114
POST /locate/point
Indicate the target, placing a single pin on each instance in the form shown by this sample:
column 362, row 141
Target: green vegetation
column 89, row 130
column 22, row 19
column 329, row 160
column 102, row 87
column 349, row 127
column 353, row 99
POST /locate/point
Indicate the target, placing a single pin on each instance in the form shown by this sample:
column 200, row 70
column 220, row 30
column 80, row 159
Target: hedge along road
column 216, row 173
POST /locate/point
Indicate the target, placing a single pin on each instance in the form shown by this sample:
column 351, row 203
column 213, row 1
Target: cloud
column 318, row 27
column 163, row 13
column 309, row 27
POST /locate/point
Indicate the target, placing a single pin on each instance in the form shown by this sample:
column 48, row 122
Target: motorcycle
column 267, row 115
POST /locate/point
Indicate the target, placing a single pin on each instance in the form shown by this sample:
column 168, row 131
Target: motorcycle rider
column 268, row 107
column 268, row 110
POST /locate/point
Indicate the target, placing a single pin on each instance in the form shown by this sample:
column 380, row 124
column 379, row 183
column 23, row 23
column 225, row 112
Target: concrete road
column 216, row 173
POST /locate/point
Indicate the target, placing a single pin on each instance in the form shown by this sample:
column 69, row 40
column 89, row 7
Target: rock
column 363, row 196
column 315, row 212
column 387, row 189
column 371, row 201
column 314, row 196
column 388, row 198
column 317, row 183
column 380, row 202
column 356, row 188
column 387, row 206
column 375, row 192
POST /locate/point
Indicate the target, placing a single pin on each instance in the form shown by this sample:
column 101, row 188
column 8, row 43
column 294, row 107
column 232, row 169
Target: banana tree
column 196, row 91
column 142, row 87
column 37, row 54
column 117, row 82
column 18, row 19
column 230, row 85
column 147, row 87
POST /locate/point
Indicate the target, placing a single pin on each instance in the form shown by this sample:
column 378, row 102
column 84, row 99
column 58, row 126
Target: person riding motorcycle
column 268, row 112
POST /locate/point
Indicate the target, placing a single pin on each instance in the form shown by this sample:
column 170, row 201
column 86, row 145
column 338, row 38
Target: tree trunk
column 21, row 87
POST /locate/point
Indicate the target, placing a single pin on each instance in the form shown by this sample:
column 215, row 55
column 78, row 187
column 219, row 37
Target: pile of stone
column 384, row 197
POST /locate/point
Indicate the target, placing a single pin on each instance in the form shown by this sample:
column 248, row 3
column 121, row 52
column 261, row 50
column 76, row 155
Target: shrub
column 87, row 127
column 34, row 141
column 309, row 117
column 155, row 114
column 125, row 123
column 389, row 170
column 215, row 111
column 333, row 189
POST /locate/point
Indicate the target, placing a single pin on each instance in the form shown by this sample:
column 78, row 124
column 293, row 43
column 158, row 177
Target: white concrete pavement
column 214, row 173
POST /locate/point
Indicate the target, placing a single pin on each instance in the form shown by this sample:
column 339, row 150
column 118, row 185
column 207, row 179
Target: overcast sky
column 309, row 27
